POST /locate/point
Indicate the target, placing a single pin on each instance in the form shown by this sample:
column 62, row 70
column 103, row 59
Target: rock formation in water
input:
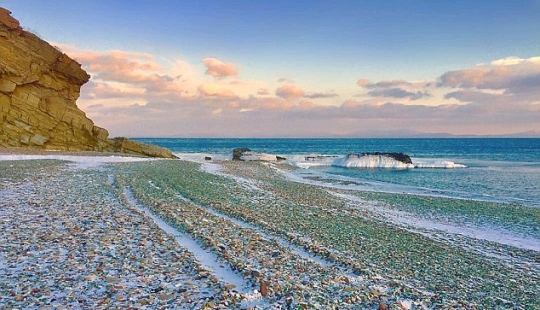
column 404, row 158
column 38, row 88
column 245, row 154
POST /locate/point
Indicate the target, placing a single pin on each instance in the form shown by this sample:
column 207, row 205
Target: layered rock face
column 38, row 89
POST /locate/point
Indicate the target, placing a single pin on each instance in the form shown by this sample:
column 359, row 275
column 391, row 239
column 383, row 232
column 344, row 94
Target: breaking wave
column 369, row 162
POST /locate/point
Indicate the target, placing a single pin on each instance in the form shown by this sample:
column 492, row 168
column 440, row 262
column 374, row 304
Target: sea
column 489, row 169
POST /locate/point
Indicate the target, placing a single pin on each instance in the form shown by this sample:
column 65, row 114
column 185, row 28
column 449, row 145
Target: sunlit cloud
column 362, row 82
column 289, row 91
column 177, row 98
column 263, row 92
column 509, row 73
column 217, row 68
column 215, row 90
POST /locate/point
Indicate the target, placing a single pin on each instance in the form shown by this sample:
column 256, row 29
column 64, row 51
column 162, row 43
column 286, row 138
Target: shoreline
column 235, row 211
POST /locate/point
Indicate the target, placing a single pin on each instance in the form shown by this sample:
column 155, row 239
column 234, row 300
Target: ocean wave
column 369, row 162
column 360, row 161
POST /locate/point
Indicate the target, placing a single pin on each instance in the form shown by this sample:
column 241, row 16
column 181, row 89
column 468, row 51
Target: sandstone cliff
column 38, row 89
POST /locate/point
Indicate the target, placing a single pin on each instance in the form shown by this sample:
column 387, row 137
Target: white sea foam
column 316, row 160
column 367, row 162
column 371, row 161
column 445, row 164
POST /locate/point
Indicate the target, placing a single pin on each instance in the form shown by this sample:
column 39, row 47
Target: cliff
column 38, row 89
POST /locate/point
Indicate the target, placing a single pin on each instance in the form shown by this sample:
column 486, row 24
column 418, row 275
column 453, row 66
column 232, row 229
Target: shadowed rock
column 404, row 158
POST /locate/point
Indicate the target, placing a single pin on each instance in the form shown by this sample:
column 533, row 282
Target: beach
column 113, row 232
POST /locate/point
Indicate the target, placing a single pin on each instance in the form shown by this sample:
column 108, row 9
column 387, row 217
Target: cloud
column 289, row 91
column 119, row 66
column 363, row 82
column 285, row 80
column 512, row 74
column 215, row 90
column 382, row 84
column 120, row 74
column 171, row 98
column 217, row 68
column 263, row 92
column 398, row 93
column 103, row 90
column 472, row 96
column 320, row 95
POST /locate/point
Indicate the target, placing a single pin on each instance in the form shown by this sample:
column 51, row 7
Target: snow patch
column 207, row 258
column 78, row 162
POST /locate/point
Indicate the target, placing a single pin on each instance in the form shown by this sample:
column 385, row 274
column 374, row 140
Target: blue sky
column 290, row 63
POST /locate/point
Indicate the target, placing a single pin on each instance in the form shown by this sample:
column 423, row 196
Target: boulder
column 239, row 152
column 245, row 154
column 125, row 145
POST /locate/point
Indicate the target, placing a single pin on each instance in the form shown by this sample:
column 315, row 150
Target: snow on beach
column 81, row 248
column 78, row 161
column 288, row 244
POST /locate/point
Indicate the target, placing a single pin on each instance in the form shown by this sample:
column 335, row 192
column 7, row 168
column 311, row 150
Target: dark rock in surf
column 237, row 153
column 404, row 158
column 245, row 154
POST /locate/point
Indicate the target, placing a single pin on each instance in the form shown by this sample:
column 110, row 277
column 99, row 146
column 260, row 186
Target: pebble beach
column 170, row 234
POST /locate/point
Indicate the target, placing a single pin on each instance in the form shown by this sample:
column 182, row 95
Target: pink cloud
column 509, row 73
column 263, row 92
column 215, row 90
column 93, row 90
column 132, row 75
column 128, row 89
column 289, row 91
column 217, row 68
column 363, row 82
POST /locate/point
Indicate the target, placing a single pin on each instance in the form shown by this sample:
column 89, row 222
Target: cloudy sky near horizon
column 299, row 68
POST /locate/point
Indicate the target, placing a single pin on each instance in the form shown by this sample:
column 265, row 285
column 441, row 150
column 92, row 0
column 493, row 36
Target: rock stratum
column 39, row 86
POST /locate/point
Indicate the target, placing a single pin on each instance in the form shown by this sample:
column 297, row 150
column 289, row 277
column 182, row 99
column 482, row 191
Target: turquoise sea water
column 506, row 170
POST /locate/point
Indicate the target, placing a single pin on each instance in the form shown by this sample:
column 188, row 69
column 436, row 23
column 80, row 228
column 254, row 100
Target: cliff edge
column 38, row 88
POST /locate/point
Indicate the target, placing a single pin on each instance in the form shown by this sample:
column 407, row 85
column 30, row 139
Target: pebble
column 82, row 248
column 85, row 247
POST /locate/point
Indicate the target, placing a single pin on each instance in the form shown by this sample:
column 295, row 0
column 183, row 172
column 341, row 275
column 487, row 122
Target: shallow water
column 505, row 170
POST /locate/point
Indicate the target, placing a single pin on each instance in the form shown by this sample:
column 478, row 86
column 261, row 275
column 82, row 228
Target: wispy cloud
column 321, row 95
column 398, row 93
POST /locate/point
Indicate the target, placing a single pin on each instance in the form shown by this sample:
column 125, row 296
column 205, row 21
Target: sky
column 300, row 68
